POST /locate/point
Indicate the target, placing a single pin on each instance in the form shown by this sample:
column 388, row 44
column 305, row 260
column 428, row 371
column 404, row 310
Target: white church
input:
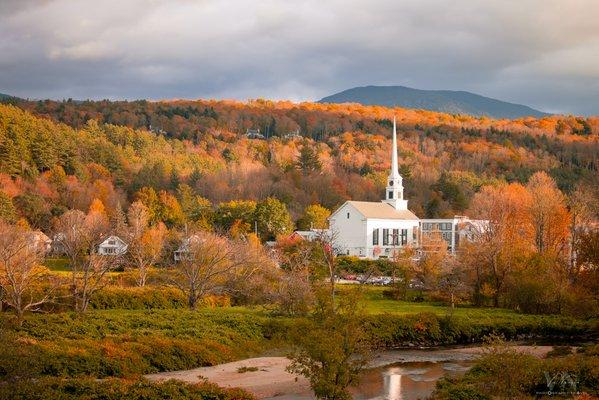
column 379, row 229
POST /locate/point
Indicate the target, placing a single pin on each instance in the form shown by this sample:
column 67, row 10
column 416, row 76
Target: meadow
column 126, row 343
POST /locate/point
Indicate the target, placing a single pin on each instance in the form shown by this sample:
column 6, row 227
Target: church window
column 347, row 215
column 395, row 237
column 385, row 237
column 390, row 183
column 404, row 237
column 375, row 237
column 390, row 194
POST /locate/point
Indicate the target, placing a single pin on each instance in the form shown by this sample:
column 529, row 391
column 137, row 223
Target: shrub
column 138, row 298
column 362, row 265
column 504, row 372
column 116, row 389
column 126, row 343
column 148, row 297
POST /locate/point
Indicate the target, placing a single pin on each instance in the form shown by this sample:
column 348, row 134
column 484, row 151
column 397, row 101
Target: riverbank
column 266, row 377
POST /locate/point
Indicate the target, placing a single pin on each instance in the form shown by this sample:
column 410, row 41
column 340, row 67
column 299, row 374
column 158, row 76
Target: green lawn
column 377, row 303
column 57, row 264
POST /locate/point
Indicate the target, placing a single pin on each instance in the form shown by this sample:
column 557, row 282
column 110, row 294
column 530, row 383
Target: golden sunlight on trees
column 500, row 248
column 25, row 285
column 145, row 242
column 315, row 217
column 548, row 214
column 210, row 264
column 79, row 235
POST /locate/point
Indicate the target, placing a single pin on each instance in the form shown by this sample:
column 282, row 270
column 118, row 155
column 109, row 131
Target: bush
column 427, row 329
column 504, row 372
column 126, row 343
column 115, row 389
column 362, row 265
column 138, row 298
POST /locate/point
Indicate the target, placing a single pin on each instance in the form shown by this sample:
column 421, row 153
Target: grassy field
column 129, row 342
column 57, row 264
column 376, row 303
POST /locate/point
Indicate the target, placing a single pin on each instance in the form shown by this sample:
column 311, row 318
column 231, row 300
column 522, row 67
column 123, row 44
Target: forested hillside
column 60, row 155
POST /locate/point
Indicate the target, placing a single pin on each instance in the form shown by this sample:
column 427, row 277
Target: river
column 395, row 375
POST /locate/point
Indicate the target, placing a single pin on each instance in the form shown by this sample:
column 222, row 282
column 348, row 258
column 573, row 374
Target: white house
column 254, row 134
column 112, row 246
column 40, row 242
column 376, row 229
column 310, row 235
column 182, row 253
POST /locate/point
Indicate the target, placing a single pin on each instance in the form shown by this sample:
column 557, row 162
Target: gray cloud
column 542, row 53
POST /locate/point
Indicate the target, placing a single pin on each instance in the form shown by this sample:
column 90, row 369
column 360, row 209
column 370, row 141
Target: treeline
column 47, row 168
column 535, row 253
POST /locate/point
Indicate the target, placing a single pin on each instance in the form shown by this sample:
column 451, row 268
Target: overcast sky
column 544, row 53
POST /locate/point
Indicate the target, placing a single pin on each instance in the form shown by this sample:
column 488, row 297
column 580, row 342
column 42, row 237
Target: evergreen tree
column 10, row 162
column 196, row 208
column 42, row 151
column 149, row 198
column 8, row 212
column 308, row 160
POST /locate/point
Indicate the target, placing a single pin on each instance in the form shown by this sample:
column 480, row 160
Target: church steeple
column 394, row 190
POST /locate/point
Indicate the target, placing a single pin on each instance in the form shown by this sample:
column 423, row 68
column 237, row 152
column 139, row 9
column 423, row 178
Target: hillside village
column 209, row 248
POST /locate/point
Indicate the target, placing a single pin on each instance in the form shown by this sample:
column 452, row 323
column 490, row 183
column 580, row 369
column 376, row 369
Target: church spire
column 394, row 167
column 394, row 190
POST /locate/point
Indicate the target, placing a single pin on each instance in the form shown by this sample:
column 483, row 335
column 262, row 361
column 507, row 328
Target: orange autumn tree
column 549, row 215
column 502, row 246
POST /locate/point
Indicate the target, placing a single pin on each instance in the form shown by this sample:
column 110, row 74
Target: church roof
column 370, row 209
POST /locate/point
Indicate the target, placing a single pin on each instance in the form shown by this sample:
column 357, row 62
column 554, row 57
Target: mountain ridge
column 446, row 101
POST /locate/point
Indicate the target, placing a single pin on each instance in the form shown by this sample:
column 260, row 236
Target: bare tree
column 434, row 255
column 402, row 271
column 327, row 258
column 80, row 234
column 26, row 284
column 212, row 264
column 145, row 243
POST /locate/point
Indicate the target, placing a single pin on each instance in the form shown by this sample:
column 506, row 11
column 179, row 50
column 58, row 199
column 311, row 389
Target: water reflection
column 407, row 381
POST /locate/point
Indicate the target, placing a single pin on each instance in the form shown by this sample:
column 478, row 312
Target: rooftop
column 380, row 210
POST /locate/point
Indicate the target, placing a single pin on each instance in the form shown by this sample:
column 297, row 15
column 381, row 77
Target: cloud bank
column 541, row 53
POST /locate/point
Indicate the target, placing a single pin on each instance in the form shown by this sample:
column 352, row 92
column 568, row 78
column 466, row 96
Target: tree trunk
column 143, row 273
column 192, row 300
column 20, row 316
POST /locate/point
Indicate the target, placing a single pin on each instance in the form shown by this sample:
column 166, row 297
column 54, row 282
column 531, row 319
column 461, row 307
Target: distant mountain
column 6, row 96
column 446, row 101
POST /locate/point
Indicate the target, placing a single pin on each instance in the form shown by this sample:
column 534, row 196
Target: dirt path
column 267, row 377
